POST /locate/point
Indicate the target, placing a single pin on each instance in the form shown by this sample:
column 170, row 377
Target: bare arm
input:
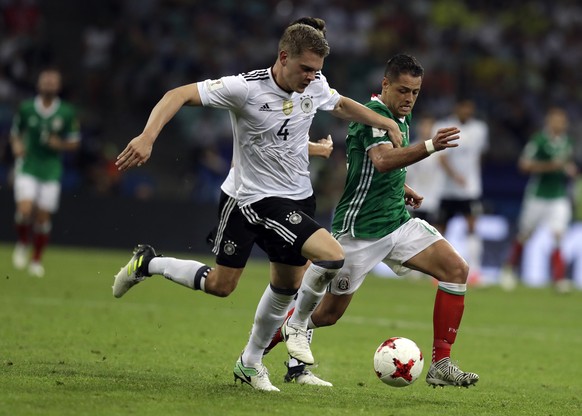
column 61, row 145
column 17, row 146
column 385, row 157
column 139, row 149
column 534, row 166
column 322, row 148
column 348, row 109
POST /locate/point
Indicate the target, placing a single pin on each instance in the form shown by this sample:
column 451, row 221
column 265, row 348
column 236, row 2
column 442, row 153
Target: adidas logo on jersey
column 265, row 107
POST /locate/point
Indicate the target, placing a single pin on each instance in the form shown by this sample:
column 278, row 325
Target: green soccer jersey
column 372, row 204
column 34, row 124
column 542, row 148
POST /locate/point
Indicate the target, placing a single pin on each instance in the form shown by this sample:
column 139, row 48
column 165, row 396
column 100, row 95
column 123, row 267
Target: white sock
column 293, row 362
column 311, row 325
column 189, row 273
column 313, row 285
column 271, row 312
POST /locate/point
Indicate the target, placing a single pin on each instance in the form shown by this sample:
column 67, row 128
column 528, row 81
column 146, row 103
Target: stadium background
column 118, row 57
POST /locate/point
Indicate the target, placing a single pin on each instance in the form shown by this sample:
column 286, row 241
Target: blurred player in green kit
column 44, row 127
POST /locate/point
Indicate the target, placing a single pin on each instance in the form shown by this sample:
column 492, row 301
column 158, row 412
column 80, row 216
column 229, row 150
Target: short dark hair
column 403, row 64
column 314, row 22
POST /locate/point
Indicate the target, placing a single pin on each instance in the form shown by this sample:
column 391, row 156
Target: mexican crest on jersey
column 57, row 124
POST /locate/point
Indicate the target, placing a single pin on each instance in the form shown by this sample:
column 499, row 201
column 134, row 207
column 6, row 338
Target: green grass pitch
column 67, row 347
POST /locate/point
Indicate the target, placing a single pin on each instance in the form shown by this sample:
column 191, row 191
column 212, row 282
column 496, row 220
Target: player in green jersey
column 548, row 159
column 372, row 224
column 43, row 128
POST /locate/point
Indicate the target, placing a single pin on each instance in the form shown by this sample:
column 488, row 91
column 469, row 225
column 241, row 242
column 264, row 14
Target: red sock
column 447, row 314
column 558, row 265
column 22, row 232
column 515, row 256
column 39, row 242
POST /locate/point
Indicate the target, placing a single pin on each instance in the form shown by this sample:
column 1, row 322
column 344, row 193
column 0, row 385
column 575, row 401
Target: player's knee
column 224, row 290
column 457, row 271
column 219, row 284
column 330, row 251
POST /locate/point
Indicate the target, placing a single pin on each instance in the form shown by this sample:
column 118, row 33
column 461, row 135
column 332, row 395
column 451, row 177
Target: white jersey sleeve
column 228, row 186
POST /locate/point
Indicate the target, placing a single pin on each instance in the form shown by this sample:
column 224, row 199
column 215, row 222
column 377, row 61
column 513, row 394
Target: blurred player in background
column 426, row 175
column 548, row 159
column 271, row 112
column 372, row 224
column 462, row 188
column 43, row 128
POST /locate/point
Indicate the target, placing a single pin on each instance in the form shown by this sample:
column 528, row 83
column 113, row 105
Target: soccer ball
column 398, row 362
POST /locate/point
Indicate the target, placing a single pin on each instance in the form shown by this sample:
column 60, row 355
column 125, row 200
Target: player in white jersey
column 271, row 113
column 462, row 189
column 426, row 176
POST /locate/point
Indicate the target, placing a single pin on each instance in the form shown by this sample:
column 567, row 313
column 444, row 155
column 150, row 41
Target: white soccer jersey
column 228, row 186
column 465, row 159
column 270, row 131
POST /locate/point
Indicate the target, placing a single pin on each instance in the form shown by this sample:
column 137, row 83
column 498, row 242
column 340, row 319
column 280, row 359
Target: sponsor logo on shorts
column 343, row 283
column 229, row 248
column 294, row 218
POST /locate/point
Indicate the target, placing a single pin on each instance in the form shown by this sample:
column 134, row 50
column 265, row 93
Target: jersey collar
column 376, row 97
column 46, row 111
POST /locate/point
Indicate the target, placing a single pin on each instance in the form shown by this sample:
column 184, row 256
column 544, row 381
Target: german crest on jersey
column 287, row 107
column 306, row 104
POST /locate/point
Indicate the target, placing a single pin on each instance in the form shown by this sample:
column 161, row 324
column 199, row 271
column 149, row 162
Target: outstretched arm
column 385, row 157
column 351, row 110
column 139, row 149
column 531, row 166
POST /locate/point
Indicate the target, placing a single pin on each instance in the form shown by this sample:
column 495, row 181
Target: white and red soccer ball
column 398, row 362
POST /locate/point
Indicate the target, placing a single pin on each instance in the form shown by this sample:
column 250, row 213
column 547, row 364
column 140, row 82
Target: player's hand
column 18, row 149
column 570, row 169
column 412, row 198
column 54, row 142
column 445, row 138
column 326, row 146
column 394, row 133
column 136, row 153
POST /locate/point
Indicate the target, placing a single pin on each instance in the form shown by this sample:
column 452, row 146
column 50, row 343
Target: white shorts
column 44, row 194
column 555, row 213
column 362, row 255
